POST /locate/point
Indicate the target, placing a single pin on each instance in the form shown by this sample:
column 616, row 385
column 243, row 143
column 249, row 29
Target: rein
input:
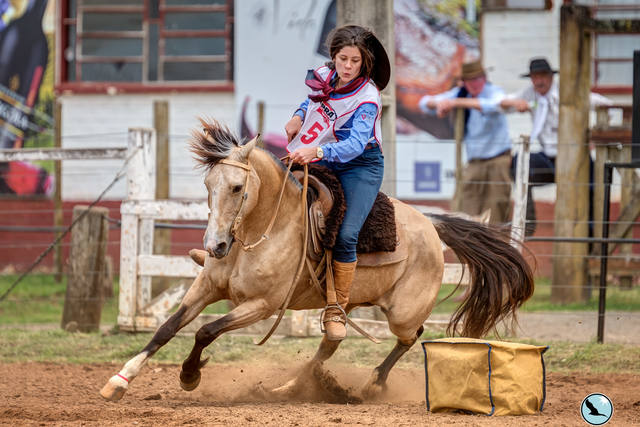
column 265, row 236
column 303, row 258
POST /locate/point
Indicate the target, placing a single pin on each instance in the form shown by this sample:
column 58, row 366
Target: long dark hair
column 351, row 35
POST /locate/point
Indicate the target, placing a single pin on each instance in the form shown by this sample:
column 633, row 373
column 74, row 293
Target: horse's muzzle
column 220, row 250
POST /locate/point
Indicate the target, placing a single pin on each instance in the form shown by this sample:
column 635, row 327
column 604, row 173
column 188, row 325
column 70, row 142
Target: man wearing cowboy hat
column 486, row 182
column 542, row 100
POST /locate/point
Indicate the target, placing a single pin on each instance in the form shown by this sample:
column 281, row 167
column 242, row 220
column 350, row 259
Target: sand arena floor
column 42, row 394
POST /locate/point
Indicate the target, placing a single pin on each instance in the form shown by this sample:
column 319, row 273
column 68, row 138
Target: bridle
column 238, row 218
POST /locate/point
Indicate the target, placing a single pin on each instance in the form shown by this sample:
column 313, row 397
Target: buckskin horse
column 250, row 191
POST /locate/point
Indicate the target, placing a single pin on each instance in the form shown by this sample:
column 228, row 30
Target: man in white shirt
column 542, row 100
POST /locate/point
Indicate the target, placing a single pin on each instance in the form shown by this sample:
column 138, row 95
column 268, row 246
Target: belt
column 505, row 152
column 370, row 145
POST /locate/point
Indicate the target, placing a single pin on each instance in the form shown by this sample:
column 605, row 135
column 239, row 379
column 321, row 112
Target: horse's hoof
column 189, row 382
column 114, row 389
column 288, row 389
column 372, row 390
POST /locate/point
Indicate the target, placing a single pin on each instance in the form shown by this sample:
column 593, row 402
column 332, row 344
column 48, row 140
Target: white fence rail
column 31, row 154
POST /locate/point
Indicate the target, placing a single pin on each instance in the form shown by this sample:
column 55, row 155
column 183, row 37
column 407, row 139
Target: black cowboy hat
column 539, row 65
column 381, row 72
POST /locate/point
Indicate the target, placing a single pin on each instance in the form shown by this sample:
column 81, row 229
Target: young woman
column 339, row 125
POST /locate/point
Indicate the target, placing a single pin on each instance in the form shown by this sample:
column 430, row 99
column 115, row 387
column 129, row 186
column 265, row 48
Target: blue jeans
column 542, row 171
column 361, row 179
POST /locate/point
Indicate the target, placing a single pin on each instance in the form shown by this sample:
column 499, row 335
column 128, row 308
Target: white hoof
column 286, row 389
column 114, row 389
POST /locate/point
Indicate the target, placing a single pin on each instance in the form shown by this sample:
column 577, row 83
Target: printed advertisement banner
column 278, row 41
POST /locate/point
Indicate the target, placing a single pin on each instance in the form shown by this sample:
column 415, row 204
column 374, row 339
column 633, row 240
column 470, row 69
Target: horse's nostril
column 220, row 248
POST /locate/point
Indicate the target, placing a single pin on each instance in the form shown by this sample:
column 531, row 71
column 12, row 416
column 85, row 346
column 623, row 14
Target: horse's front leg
column 243, row 315
column 199, row 295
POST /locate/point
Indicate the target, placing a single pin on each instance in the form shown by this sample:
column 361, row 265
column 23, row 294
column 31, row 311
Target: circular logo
column 596, row 409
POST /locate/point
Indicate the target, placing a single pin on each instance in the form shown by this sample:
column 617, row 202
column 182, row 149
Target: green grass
column 38, row 298
column 617, row 299
column 27, row 344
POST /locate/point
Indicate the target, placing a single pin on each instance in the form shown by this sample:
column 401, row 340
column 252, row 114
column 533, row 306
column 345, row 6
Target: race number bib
column 317, row 128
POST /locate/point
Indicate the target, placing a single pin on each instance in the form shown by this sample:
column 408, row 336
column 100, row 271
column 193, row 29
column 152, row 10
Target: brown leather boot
column 334, row 319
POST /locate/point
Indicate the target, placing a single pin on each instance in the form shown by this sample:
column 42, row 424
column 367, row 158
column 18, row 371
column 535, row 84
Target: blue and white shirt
column 486, row 133
column 343, row 125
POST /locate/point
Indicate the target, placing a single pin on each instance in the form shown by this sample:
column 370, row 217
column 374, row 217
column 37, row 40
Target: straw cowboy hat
column 539, row 65
column 471, row 70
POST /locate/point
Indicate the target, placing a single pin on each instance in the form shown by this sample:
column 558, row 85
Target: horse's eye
column 237, row 188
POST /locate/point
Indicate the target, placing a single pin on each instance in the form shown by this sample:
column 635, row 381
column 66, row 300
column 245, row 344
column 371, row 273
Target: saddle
column 378, row 241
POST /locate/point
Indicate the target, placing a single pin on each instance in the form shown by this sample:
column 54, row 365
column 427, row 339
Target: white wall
column 103, row 120
column 275, row 44
column 509, row 40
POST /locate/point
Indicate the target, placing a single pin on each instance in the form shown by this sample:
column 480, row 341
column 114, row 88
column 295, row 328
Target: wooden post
column 107, row 278
column 377, row 15
column 261, row 123
column 162, row 237
column 602, row 122
column 521, row 187
column 626, row 198
column 83, row 301
column 58, row 215
column 458, row 134
column 136, row 236
column 572, row 164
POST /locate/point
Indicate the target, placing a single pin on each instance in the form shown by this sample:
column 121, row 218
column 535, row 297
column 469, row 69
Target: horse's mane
column 213, row 143
column 216, row 142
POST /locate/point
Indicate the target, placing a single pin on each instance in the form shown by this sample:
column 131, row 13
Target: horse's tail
column 501, row 280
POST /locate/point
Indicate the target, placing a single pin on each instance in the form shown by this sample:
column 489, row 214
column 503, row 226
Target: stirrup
column 340, row 319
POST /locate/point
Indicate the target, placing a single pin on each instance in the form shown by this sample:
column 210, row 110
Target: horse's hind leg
column 196, row 299
column 243, row 315
column 378, row 379
column 312, row 368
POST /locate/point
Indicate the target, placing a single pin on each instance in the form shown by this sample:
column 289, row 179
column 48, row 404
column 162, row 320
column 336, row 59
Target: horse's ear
column 246, row 148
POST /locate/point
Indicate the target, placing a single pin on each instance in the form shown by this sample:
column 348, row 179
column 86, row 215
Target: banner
column 24, row 56
column 277, row 41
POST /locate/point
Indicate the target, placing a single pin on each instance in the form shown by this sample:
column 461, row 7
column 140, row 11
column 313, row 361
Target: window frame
column 610, row 89
column 501, row 6
column 63, row 85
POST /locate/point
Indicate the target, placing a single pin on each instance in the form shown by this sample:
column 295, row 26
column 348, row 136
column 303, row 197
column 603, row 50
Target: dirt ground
column 65, row 394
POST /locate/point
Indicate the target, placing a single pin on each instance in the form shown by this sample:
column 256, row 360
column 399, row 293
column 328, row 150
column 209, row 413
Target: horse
column 244, row 184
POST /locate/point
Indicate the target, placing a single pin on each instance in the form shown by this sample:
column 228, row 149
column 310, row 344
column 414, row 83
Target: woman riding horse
column 339, row 125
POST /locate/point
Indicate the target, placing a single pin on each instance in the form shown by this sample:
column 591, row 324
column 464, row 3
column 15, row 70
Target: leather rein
column 265, row 236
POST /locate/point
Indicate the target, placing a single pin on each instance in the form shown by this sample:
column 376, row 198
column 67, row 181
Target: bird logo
column 596, row 409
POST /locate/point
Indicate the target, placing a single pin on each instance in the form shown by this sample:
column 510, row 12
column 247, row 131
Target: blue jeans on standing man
column 361, row 179
column 542, row 171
